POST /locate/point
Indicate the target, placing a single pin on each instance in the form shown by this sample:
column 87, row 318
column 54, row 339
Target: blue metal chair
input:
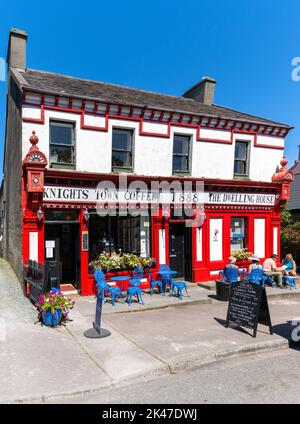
column 256, row 276
column 179, row 286
column 269, row 280
column 153, row 283
column 290, row 280
column 230, row 275
column 114, row 292
column 134, row 290
column 138, row 273
column 166, row 278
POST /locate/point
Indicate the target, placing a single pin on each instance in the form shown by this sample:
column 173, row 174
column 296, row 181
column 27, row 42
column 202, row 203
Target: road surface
column 267, row 378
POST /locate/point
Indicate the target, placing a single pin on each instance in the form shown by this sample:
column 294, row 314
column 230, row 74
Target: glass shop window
column 115, row 234
column 238, row 234
column 62, row 145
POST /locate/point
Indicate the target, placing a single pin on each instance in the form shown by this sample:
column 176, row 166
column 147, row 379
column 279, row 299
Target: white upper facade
column 211, row 151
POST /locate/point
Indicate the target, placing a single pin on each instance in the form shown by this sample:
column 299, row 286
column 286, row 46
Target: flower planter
column 52, row 320
column 242, row 264
column 223, row 290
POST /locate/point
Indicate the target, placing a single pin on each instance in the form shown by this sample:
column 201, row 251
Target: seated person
column 290, row 265
column 255, row 264
column 232, row 261
column 230, row 265
column 270, row 269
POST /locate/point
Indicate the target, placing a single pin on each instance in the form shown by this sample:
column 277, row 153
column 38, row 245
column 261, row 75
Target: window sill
column 119, row 170
column 57, row 165
column 241, row 177
column 181, row 174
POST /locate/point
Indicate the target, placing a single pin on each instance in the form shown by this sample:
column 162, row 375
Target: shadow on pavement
column 285, row 330
column 232, row 326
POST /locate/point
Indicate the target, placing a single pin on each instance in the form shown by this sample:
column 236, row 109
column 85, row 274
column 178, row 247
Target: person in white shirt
column 271, row 270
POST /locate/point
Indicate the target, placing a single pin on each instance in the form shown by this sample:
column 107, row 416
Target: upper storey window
column 181, row 154
column 241, row 159
column 122, row 150
column 62, row 145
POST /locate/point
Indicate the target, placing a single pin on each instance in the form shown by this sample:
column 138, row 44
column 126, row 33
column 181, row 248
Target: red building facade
column 227, row 166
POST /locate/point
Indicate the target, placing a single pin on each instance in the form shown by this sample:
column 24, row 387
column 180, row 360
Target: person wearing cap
column 255, row 264
column 271, row 270
column 231, row 264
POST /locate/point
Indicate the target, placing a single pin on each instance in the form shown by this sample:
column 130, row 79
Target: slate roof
column 52, row 83
column 295, row 169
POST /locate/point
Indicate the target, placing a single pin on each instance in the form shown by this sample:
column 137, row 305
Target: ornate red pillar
column 284, row 177
column 34, row 165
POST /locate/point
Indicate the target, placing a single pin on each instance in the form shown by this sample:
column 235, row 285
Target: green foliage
column 241, row 254
column 119, row 261
column 286, row 217
column 290, row 235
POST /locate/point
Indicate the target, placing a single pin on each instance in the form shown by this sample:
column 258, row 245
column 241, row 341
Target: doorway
column 180, row 250
column 62, row 252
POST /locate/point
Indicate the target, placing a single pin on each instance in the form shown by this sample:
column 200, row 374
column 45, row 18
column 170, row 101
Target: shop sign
column 133, row 196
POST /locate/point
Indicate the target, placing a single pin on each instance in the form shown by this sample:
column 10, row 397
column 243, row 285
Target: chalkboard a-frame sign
column 248, row 306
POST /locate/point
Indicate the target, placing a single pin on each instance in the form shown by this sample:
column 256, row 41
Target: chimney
column 16, row 52
column 299, row 154
column 202, row 92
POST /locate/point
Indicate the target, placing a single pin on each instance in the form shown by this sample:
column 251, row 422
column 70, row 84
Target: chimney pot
column 203, row 91
column 16, row 52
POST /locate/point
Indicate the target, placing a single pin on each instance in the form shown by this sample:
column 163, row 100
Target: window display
column 238, row 236
column 114, row 234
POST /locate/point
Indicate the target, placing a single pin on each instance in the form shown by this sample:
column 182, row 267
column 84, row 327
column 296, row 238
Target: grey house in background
column 294, row 203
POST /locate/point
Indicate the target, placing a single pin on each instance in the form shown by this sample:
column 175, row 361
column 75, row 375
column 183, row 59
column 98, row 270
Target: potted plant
column 53, row 307
column 242, row 256
column 118, row 262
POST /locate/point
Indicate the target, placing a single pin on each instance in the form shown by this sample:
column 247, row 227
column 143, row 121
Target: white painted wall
column 162, row 246
column 216, row 239
column 275, row 240
column 199, row 244
column 259, row 237
column 33, row 246
column 153, row 155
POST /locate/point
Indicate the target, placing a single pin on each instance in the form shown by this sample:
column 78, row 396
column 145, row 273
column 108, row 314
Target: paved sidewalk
column 86, row 304
column 43, row 363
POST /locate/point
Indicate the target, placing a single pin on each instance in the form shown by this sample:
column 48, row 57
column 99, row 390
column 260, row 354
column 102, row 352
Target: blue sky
column 167, row 46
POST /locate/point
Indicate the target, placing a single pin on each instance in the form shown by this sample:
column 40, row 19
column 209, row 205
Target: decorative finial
column 283, row 162
column 34, row 140
column 282, row 174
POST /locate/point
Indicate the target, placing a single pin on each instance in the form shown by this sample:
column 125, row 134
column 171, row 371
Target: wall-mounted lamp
column 86, row 215
column 40, row 214
column 165, row 216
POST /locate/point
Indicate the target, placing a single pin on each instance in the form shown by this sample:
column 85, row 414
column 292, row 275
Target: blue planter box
column 52, row 320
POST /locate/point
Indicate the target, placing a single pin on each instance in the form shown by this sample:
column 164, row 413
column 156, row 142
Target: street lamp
column 86, row 215
column 39, row 214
